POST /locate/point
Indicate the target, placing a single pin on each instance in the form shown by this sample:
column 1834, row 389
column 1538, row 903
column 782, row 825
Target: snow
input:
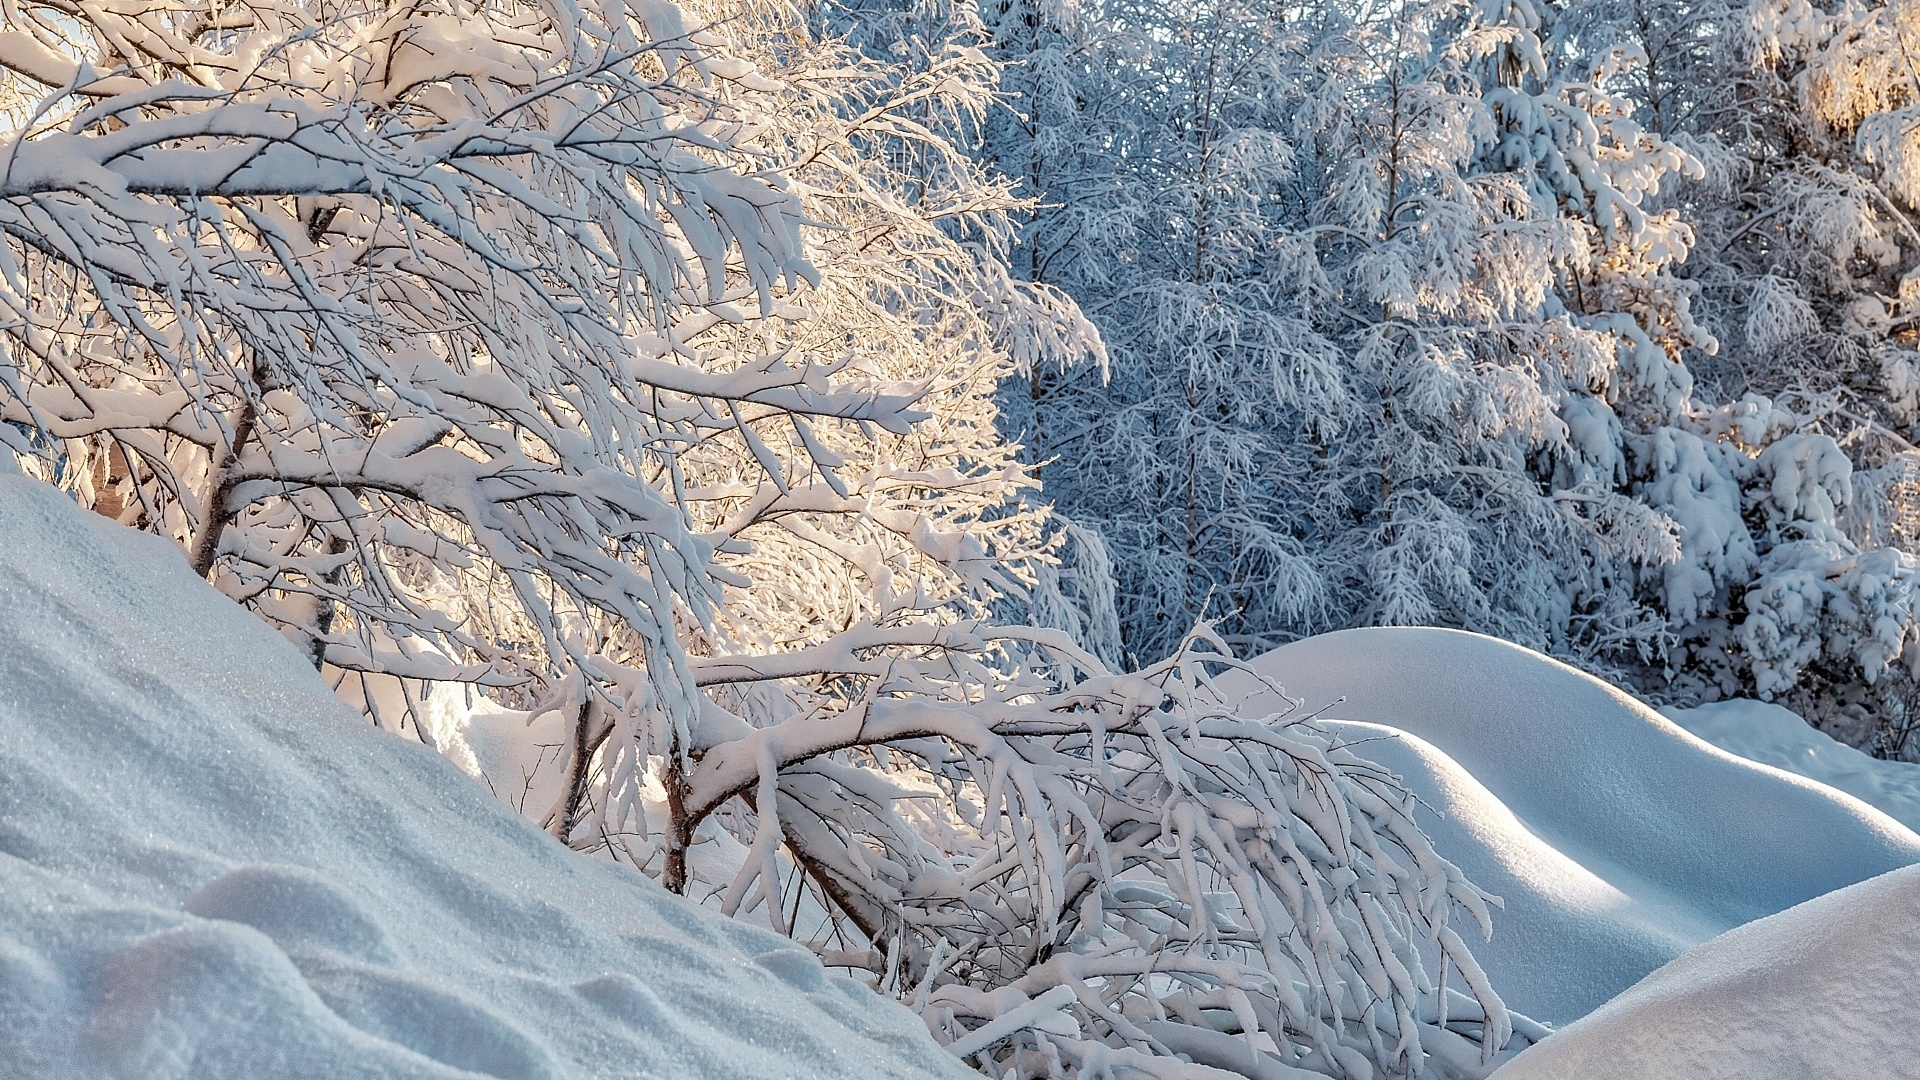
column 1822, row 990
column 1616, row 839
column 1776, row 736
column 209, row 867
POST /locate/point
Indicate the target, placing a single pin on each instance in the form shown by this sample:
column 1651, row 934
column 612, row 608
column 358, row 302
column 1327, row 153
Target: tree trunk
column 584, row 746
column 679, row 829
column 213, row 517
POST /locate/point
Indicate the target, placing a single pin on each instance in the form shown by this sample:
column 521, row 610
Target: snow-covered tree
column 1784, row 470
column 1827, row 257
column 1534, row 319
column 628, row 371
column 1372, row 280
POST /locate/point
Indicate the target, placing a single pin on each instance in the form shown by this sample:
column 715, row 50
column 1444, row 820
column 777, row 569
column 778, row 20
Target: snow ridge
column 1616, row 839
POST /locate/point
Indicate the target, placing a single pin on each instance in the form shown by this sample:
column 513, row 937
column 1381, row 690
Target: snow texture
column 1776, row 736
column 1822, row 990
column 210, row 868
column 1616, row 839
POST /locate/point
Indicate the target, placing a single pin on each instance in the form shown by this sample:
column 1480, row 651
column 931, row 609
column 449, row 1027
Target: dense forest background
column 1586, row 325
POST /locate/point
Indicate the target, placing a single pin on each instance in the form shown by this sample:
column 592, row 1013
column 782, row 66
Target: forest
column 1150, row 535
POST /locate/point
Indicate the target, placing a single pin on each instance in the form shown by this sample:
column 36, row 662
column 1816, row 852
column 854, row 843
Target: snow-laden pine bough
column 556, row 352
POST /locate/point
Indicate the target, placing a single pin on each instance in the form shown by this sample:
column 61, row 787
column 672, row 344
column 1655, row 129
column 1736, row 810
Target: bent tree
column 635, row 365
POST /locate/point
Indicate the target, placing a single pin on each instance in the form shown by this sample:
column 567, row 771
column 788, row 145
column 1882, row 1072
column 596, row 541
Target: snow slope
column 1773, row 735
column 1616, row 839
column 210, row 868
column 1823, row 990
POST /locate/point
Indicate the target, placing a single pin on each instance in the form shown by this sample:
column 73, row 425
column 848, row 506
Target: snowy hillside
column 1824, row 990
column 210, row 868
column 1616, row 839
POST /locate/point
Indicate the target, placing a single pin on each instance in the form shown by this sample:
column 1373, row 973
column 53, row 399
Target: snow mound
column 210, row 868
column 1567, row 936
column 1824, row 990
column 1616, row 839
column 1776, row 736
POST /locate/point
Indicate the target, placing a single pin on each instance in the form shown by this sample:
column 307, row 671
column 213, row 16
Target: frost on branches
column 1580, row 324
column 628, row 371
column 1789, row 474
column 1376, row 284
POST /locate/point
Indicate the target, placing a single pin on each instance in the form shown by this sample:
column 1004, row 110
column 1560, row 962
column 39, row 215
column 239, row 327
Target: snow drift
column 210, row 868
column 1616, row 839
column 1823, row 990
column 1774, row 735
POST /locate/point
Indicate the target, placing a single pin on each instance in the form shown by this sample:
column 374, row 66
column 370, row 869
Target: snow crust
column 1824, row 990
column 210, row 868
column 1777, row 736
column 1616, row 839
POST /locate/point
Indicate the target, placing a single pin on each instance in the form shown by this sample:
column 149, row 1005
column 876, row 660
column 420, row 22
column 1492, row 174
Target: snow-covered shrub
column 1079, row 876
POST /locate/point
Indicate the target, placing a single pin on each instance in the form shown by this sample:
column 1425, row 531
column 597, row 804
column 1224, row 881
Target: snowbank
column 1616, row 839
column 210, row 868
column 1823, row 990
column 1773, row 735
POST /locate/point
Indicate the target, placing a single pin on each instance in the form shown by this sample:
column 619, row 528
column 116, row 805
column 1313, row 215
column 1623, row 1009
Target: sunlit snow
column 210, row 868
column 1616, row 839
